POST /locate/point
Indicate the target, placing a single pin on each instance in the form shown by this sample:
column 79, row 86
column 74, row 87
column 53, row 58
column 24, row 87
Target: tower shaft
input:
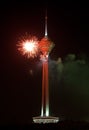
column 45, row 90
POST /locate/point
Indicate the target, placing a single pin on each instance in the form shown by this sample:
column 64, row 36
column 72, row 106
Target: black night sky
column 20, row 78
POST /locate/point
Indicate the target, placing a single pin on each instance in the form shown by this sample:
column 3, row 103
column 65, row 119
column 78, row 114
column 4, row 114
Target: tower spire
column 46, row 33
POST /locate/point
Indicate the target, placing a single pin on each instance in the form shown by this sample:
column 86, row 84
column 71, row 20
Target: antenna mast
column 46, row 23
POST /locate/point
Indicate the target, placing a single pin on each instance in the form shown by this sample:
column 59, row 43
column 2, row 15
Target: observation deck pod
column 46, row 45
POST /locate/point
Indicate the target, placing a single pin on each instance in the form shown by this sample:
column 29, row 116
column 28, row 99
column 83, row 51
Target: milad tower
column 45, row 46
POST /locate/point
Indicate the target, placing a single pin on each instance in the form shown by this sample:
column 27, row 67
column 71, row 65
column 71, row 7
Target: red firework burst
column 29, row 47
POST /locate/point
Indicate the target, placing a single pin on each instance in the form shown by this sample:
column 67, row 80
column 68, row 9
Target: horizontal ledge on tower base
column 45, row 119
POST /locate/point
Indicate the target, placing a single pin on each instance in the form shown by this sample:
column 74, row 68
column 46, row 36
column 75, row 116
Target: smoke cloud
column 69, row 87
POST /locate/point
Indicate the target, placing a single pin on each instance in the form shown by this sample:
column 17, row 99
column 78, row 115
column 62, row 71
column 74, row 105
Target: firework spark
column 29, row 47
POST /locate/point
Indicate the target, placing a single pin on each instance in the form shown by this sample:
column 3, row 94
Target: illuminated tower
column 45, row 47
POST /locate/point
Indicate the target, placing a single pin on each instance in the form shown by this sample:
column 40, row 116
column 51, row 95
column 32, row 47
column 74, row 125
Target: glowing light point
column 29, row 46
